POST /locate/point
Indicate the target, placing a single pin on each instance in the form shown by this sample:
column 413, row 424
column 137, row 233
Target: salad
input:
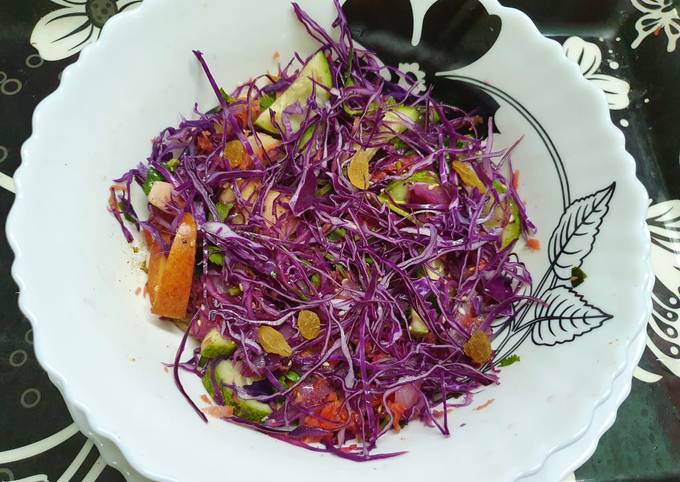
column 339, row 245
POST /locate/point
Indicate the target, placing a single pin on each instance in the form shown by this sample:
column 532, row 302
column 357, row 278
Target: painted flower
column 589, row 58
column 65, row 31
column 663, row 330
column 658, row 15
column 416, row 76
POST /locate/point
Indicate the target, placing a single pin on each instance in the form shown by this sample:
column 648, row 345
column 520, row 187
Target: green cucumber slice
column 395, row 125
column 214, row 345
column 394, row 118
column 417, row 327
column 317, row 69
column 226, row 373
column 513, row 229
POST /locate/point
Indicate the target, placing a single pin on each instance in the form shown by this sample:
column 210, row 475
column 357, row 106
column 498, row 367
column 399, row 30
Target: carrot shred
column 219, row 411
column 533, row 244
column 484, row 405
column 332, row 416
column 515, row 179
column 397, row 410
column 204, row 143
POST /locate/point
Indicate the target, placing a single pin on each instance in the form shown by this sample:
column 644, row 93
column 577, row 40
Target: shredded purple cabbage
column 406, row 276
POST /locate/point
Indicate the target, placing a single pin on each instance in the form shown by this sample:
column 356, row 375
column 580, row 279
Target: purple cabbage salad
column 339, row 244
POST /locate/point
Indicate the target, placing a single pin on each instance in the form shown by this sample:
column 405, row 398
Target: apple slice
column 170, row 279
column 156, row 266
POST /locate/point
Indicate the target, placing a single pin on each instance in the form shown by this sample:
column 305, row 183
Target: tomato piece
column 312, row 393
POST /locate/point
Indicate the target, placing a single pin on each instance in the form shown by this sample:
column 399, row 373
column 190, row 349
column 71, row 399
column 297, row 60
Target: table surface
column 628, row 48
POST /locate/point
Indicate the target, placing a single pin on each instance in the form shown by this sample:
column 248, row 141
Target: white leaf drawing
column 659, row 15
column 645, row 376
column 663, row 220
column 663, row 338
column 7, row 182
column 417, row 83
column 615, row 90
column 563, row 316
column 574, row 237
column 65, row 31
column 588, row 56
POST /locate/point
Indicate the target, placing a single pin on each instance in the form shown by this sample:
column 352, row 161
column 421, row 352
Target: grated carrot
column 515, row 179
column 533, row 244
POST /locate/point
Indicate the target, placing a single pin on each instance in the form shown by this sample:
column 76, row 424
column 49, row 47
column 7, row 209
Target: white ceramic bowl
column 104, row 352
